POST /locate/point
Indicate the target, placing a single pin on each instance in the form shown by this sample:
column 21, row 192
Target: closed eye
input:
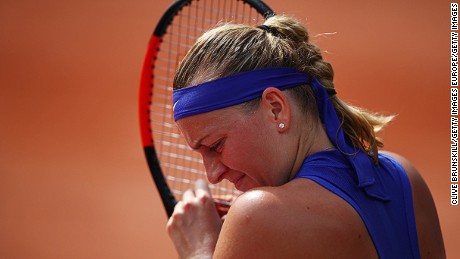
column 217, row 146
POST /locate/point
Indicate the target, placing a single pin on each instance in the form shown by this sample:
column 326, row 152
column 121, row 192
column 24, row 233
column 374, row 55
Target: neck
column 310, row 141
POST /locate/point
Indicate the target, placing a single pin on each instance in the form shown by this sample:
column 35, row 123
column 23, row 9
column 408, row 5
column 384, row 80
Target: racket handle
column 222, row 206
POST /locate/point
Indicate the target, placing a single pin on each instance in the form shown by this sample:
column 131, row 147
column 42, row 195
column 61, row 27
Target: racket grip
column 222, row 206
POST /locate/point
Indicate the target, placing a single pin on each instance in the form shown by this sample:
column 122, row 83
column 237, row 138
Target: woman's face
column 242, row 148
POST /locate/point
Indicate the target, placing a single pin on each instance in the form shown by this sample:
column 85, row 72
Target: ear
column 277, row 108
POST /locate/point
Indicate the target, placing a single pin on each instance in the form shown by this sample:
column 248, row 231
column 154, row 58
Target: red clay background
column 73, row 179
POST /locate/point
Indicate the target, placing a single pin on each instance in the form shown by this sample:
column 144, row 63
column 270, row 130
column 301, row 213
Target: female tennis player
column 259, row 105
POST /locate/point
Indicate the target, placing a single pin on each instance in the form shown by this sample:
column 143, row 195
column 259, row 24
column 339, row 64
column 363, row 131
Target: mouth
column 238, row 182
column 218, row 175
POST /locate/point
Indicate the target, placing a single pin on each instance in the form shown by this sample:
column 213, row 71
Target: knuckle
column 175, row 220
column 188, row 205
column 170, row 224
column 203, row 199
column 177, row 214
column 179, row 207
column 171, row 227
column 176, row 217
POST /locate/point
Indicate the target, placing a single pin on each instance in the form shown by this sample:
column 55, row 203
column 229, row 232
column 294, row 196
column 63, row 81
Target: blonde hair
column 234, row 48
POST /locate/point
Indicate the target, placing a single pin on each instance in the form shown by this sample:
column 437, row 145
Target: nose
column 214, row 167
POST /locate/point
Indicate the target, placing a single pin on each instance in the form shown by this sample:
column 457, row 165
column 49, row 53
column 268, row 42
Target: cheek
column 238, row 156
column 248, row 153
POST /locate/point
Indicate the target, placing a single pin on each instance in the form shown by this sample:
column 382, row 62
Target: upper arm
column 273, row 223
column 253, row 228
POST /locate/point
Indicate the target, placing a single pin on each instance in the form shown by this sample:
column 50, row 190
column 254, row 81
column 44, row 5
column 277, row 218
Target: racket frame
column 146, row 93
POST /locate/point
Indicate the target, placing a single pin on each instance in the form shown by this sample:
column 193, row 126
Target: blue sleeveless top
column 388, row 217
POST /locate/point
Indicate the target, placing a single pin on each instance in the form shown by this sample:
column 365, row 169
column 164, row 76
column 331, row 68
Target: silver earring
column 281, row 125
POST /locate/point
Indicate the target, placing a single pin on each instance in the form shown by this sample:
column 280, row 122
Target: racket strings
column 181, row 165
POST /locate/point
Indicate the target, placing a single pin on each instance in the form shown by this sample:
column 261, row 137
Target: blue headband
column 246, row 86
column 233, row 90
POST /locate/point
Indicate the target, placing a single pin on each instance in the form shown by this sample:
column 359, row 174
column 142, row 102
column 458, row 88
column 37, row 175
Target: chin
column 242, row 189
column 244, row 184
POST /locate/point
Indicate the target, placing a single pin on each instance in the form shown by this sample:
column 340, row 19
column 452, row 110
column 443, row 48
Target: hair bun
column 269, row 29
column 288, row 27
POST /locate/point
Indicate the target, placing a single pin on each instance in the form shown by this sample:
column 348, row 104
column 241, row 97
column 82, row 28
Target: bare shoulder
column 300, row 219
column 428, row 229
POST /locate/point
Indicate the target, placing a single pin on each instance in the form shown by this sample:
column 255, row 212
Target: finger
column 178, row 209
column 202, row 188
column 188, row 195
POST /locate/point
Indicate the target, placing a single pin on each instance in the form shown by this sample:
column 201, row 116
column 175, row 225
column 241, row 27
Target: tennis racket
column 173, row 165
